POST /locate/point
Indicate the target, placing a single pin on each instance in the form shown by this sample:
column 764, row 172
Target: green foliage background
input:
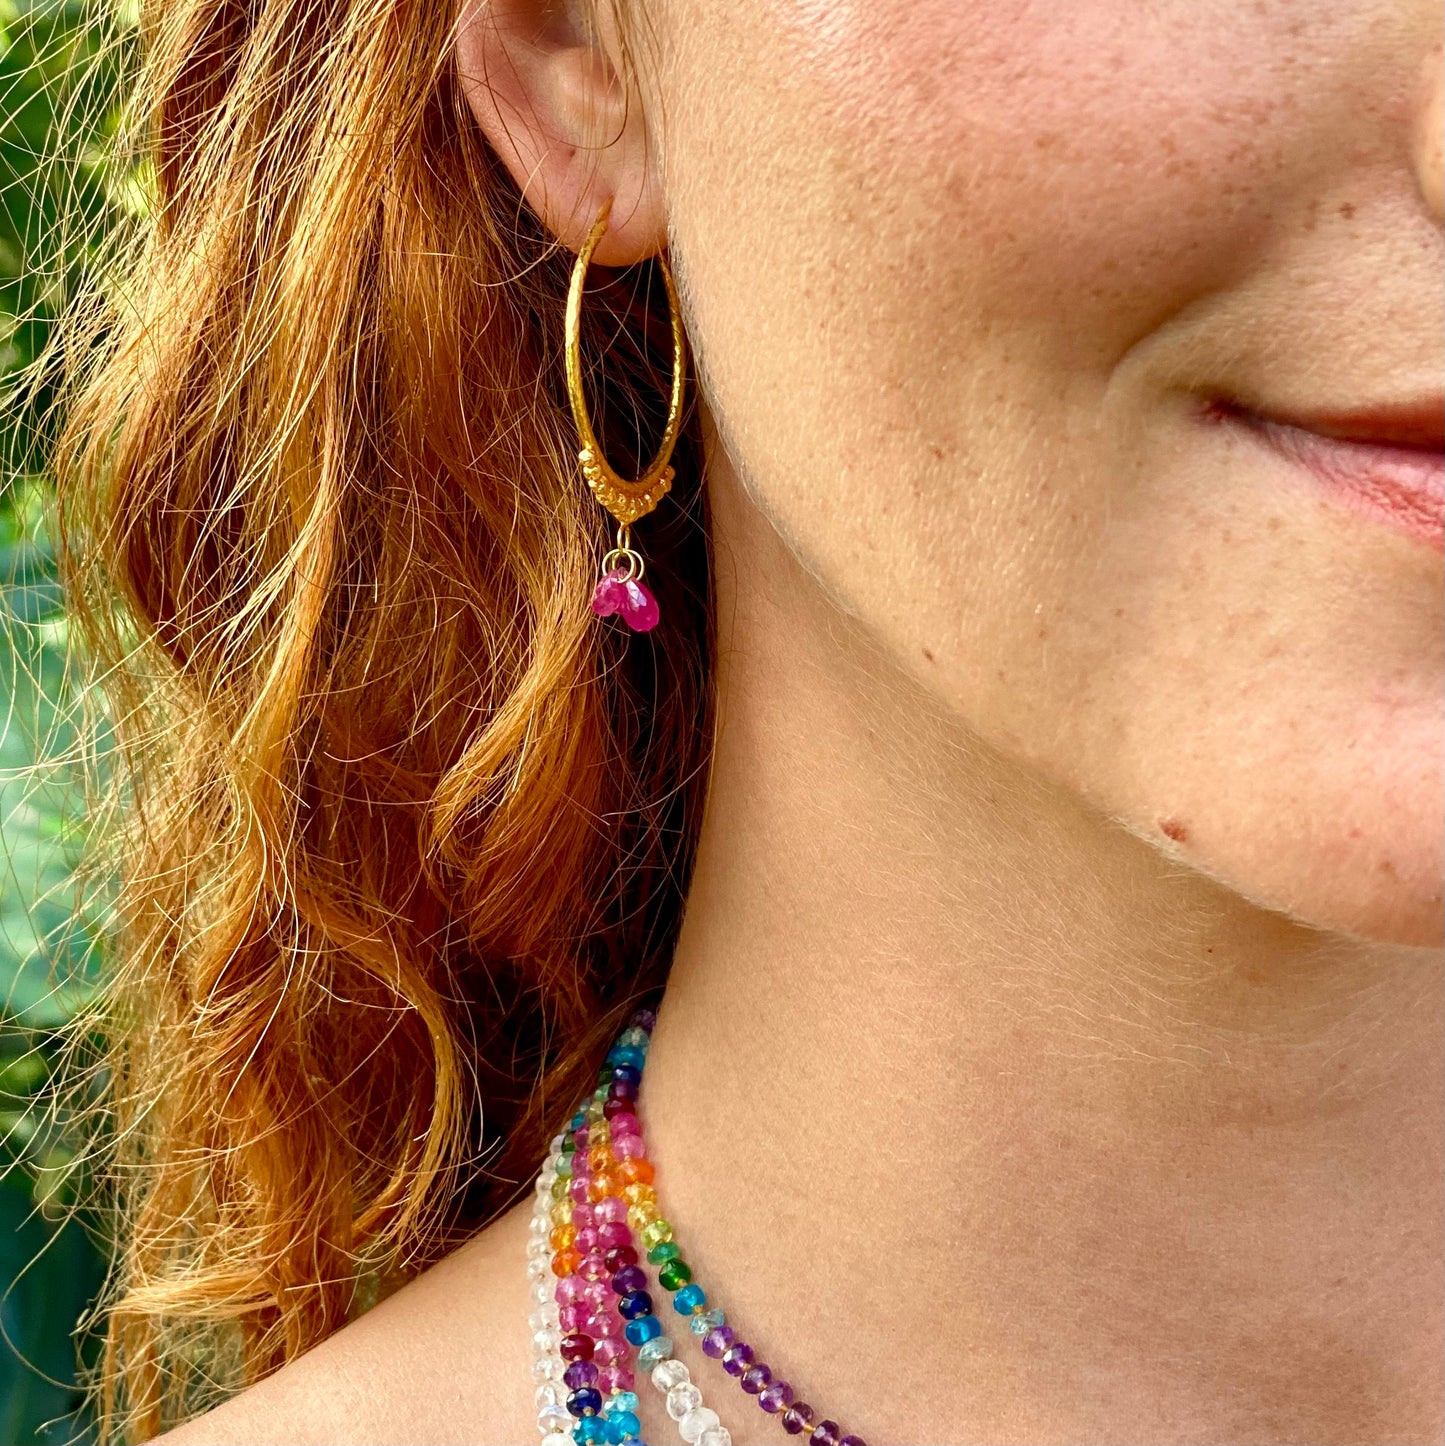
column 59, row 91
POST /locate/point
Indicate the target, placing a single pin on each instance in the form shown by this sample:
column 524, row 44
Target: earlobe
column 557, row 109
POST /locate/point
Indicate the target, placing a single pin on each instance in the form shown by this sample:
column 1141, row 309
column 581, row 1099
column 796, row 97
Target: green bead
column 668, row 1250
column 559, row 1187
column 674, row 1273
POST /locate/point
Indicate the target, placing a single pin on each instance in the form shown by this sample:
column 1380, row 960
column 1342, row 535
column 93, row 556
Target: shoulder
column 445, row 1359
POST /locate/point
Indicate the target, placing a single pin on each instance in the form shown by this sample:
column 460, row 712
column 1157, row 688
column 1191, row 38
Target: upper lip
column 1413, row 425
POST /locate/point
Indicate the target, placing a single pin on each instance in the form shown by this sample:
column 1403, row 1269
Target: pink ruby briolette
column 629, row 598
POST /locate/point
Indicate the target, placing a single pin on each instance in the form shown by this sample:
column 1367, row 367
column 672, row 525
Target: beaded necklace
column 595, row 1214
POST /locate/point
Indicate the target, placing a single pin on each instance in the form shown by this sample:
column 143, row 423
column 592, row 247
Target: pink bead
column 593, row 1266
column 580, row 1138
column 597, row 1294
column 624, row 1124
column 582, row 1215
column 587, row 1239
column 604, row 1325
column 614, row 1232
column 577, row 1188
column 610, row 1208
column 569, row 1288
column 582, row 1168
column 574, row 1317
column 610, row 1350
column 614, row 1378
column 628, row 1147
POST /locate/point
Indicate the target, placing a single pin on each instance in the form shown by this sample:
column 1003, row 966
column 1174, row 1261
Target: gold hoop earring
column 621, row 590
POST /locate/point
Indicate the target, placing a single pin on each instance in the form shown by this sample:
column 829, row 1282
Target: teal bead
column 564, row 1167
column 635, row 1038
column 642, row 1330
column 588, row 1430
column 658, row 1349
column 620, row 1401
column 623, row 1426
column 626, row 1054
column 708, row 1320
column 688, row 1297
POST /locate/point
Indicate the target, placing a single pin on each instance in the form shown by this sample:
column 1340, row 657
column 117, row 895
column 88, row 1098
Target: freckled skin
column 963, row 290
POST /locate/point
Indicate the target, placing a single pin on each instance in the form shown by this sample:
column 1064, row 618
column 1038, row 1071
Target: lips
column 1387, row 462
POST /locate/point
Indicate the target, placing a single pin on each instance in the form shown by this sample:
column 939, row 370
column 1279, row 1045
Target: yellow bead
column 655, row 1233
column 639, row 1194
column 562, row 1211
column 562, row 1236
column 641, row 1216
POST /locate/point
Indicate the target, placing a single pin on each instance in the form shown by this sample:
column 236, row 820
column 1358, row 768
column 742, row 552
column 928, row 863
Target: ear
column 551, row 98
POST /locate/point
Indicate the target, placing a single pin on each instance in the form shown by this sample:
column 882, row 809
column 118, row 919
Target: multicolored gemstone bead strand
column 600, row 1295
column 601, row 1167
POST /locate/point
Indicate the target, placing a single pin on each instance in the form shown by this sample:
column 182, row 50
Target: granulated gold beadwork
column 625, row 500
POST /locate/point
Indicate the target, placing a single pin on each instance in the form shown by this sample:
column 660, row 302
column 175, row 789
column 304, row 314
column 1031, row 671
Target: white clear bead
column 716, row 1436
column 547, row 1368
column 699, row 1419
column 553, row 1418
column 558, row 1438
column 681, row 1399
column 555, row 1148
column 543, row 1291
column 667, row 1374
column 550, row 1393
column 538, row 1247
column 538, row 1270
column 545, row 1315
column 548, row 1340
column 541, row 1225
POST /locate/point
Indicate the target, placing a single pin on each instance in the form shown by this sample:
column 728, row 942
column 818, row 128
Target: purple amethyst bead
column 630, row 1277
column 736, row 1359
column 825, row 1433
column 755, row 1378
column 797, row 1419
column 776, row 1397
column 579, row 1374
column 718, row 1341
column 644, row 1019
column 851, row 1440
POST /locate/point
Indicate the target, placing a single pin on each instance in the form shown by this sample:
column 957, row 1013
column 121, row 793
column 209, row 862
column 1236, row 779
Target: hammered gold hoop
column 626, row 501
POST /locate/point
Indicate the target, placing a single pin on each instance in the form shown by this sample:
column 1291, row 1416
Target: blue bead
column 589, row 1429
column 626, row 1054
column 623, row 1425
column 659, row 1348
column 704, row 1321
column 642, row 1330
column 690, row 1295
column 587, row 1398
column 620, row 1401
column 633, row 1304
column 628, row 1072
column 578, row 1120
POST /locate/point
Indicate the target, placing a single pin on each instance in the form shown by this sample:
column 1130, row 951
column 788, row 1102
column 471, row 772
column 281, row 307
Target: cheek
column 940, row 256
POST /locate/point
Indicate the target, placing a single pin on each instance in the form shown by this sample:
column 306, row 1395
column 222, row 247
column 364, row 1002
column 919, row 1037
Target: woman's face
column 984, row 293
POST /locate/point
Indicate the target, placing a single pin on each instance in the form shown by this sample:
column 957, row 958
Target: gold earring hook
column 625, row 500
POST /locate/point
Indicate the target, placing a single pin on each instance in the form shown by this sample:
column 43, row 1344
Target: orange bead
column 603, row 1184
column 562, row 1236
column 566, row 1262
column 637, row 1170
column 600, row 1157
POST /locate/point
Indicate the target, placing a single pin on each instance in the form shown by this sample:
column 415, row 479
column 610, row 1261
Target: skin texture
column 1053, row 1050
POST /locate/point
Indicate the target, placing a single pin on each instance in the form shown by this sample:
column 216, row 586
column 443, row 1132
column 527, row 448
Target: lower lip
column 1404, row 486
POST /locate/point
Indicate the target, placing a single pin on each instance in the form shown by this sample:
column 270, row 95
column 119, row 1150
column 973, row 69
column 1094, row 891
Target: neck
column 983, row 1119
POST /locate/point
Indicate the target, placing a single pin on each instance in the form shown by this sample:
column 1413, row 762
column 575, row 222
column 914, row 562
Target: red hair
column 401, row 830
